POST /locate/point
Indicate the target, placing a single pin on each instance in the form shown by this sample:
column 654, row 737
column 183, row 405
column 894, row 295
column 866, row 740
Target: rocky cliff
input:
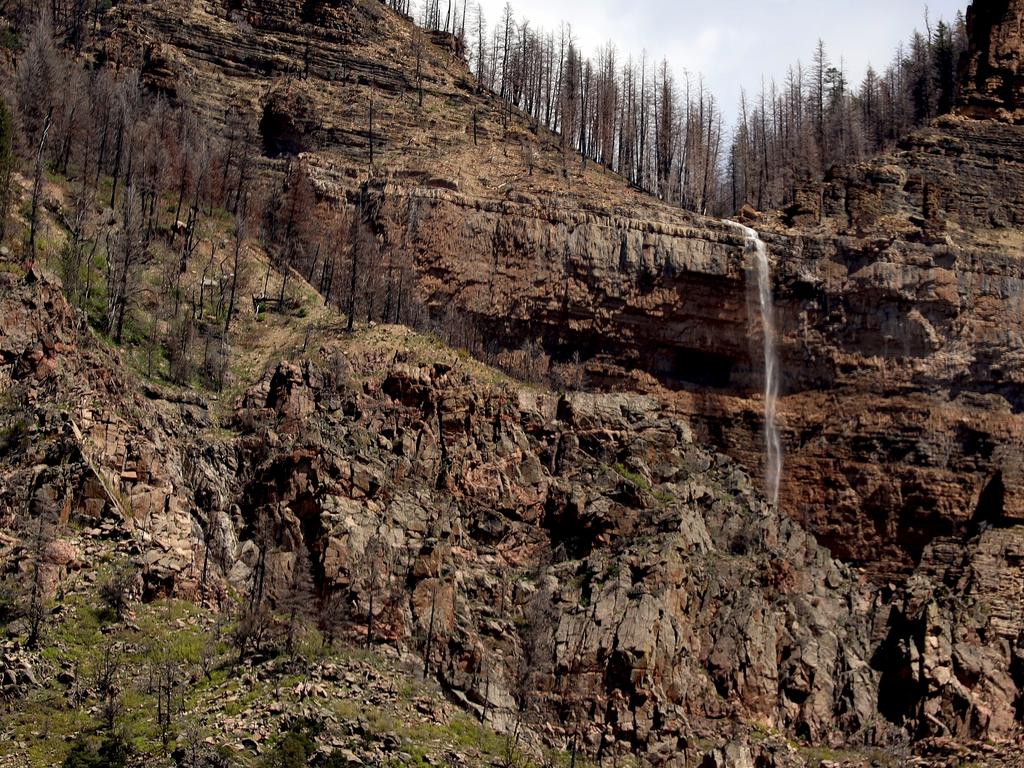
column 896, row 280
column 897, row 313
column 570, row 563
column 992, row 85
column 598, row 539
column 576, row 566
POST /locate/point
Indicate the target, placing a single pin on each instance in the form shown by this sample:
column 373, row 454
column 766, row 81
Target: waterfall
column 773, row 443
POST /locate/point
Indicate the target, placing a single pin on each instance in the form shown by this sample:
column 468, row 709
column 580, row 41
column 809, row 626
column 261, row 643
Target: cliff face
column 899, row 290
column 576, row 565
column 580, row 563
column 899, row 316
column 992, row 82
column 562, row 563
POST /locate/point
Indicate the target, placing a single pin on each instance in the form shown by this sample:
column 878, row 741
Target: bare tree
column 37, row 82
column 127, row 255
column 37, row 187
column 168, row 689
column 251, row 629
column 116, row 591
column 297, row 602
column 241, row 230
column 332, row 617
column 418, row 51
column 7, row 164
column 79, row 250
column 35, row 600
column 373, row 578
column 108, row 671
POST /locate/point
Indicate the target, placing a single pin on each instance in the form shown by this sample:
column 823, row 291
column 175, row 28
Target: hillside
column 885, row 271
column 304, row 81
column 300, row 524
column 494, row 529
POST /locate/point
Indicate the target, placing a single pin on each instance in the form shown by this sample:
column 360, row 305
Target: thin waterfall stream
column 773, row 442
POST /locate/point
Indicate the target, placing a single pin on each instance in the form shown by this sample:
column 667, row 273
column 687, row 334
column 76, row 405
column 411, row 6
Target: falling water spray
column 773, row 443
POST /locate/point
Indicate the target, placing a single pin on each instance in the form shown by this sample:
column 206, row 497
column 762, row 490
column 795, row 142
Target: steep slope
column 897, row 284
column 573, row 565
column 897, row 277
column 304, row 78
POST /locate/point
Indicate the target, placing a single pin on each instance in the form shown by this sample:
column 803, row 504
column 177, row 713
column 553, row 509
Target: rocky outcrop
column 992, row 71
column 289, row 122
column 590, row 542
column 897, row 316
column 587, row 563
column 16, row 673
column 577, row 563
column 79, row 438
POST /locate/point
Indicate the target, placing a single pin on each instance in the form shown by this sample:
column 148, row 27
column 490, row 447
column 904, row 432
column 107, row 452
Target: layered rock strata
column 575, row 563
column 899, row 317
column 898, row 284
column 991, row 73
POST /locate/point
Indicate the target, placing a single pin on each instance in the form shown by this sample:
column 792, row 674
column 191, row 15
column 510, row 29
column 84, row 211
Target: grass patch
column 635, row 478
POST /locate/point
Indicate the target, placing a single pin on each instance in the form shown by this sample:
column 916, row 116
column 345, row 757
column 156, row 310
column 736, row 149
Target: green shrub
column 296, row 746
column 9, row 39
column 635, row 478
column 113, row 751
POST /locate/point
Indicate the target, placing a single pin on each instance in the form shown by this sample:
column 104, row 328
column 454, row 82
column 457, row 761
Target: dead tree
column 298, row 600
column 37, row 186
column 108, row 670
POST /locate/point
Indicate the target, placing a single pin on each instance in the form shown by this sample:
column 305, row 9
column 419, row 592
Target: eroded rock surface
column 993, row 85
column 898, row 314
column 596, row 540
column 578, row 562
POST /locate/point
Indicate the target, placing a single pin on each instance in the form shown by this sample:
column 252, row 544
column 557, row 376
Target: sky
column 734, row 42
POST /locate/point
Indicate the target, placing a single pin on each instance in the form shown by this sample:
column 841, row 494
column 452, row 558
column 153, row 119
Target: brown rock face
column 899, row 288
column 899, row 356
column 992, row 71
column 641, row 580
